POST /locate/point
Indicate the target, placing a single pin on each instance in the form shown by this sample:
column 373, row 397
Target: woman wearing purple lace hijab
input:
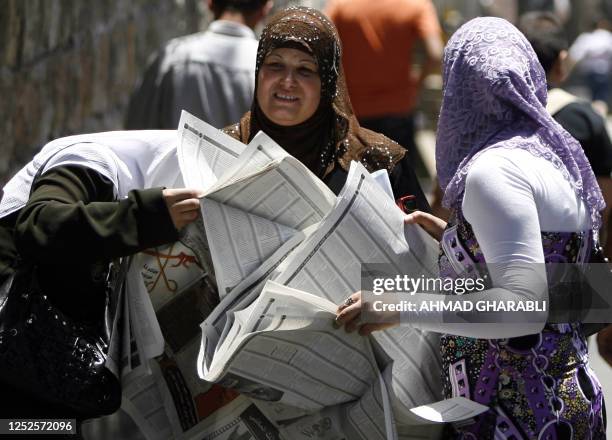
column 522, row 193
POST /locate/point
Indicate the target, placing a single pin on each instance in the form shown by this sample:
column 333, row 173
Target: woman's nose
column 288, row 79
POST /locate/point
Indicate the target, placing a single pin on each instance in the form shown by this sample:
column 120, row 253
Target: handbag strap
column 115, row 282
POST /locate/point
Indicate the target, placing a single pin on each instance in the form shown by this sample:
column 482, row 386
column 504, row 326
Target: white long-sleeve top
column 510, row 197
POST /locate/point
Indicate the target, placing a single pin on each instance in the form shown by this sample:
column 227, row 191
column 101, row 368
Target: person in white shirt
column 593, row 53
column 210, row 74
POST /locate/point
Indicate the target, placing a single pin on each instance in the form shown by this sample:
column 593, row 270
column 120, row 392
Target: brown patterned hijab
column 332, row 135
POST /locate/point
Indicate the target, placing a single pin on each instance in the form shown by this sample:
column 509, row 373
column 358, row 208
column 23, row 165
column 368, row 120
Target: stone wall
column 69, row 66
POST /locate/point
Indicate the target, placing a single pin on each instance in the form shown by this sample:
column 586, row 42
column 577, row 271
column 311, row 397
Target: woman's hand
column 433, row 225
column 183, row 205
column 350, row 315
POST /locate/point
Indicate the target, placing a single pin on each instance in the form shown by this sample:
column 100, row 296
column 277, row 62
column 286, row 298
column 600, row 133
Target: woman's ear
column 268, row 7
column 560, row 69
column 263, row 11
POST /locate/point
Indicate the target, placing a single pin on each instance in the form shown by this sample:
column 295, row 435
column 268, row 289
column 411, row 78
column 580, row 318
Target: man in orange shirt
column 378, row 39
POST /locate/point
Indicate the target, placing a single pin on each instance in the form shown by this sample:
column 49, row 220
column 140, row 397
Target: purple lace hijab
column 495, row 96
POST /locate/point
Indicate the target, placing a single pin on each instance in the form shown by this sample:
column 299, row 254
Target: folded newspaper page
column 172, row 290
column 204, row 153
column 240, row 419
column 282, row 322
column 260, row 210
column 258, row 194
column 284, row 348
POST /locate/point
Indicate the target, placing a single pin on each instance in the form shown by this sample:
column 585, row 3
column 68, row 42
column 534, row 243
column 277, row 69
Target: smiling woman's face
column 288, row 86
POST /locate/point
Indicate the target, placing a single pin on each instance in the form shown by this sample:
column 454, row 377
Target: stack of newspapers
column 231, row 329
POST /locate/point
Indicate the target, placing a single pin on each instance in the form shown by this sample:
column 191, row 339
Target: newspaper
column 181, row 295
column 252, row 210
column 206, row 308
column 284, row 349
column 362, row 227
column 239, row 420
column 204, row 154
column 283, row 320
column 123, row 354
column 256, row 197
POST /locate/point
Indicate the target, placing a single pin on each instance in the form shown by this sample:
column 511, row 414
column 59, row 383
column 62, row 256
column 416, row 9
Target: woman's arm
column 500, row 206
column 433, row 225
column 72, row 211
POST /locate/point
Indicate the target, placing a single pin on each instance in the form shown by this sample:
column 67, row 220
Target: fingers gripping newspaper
column 265, row 216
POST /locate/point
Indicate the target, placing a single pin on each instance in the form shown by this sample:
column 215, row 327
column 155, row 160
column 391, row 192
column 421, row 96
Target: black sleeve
column 404, row 182
column 72, row 212
column 588, row 128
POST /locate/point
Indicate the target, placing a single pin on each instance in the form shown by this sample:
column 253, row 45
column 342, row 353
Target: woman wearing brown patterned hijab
column 301, row 101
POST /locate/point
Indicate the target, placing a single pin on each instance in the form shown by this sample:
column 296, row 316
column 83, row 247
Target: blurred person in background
column 379, row 40
column 593, row 53
column 549, row 41
column 560, row 8
column 210, row 74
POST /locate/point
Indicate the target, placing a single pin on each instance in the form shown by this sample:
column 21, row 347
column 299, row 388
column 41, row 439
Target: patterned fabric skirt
column 536, row 386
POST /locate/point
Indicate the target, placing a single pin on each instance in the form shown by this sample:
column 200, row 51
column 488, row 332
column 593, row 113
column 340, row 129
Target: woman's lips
column 285, row 97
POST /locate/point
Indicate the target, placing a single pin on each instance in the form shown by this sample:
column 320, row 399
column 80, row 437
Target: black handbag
column 49, row 355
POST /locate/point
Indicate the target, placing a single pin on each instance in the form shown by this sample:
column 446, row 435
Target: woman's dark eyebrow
column 274, row 55
column 306, row 60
